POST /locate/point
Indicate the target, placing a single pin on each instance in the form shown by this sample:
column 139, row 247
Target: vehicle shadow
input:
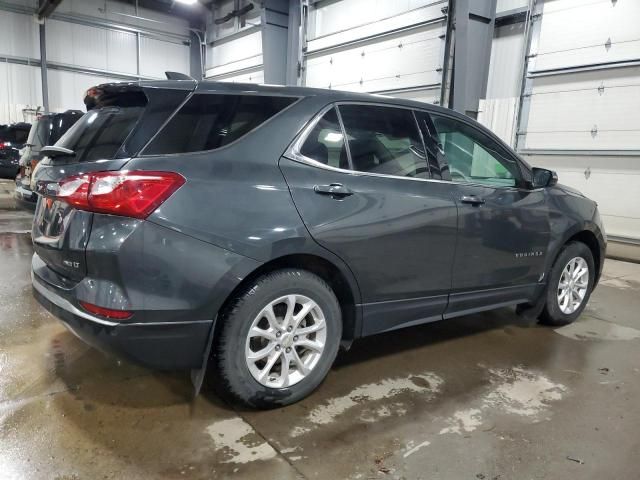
column 425, row 335
column 98, row 378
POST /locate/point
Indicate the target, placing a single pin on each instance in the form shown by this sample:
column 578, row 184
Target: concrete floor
column 481, row 397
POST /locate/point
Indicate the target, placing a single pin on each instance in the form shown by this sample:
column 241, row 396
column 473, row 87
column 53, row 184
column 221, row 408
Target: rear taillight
column 106, row 312
column 5, row 145
column 129, row 194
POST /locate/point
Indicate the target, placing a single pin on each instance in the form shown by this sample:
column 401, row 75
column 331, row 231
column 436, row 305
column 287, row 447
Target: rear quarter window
column 210, row 121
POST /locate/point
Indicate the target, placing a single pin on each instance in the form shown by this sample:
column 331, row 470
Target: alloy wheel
column 573, row 284
column 285, row 341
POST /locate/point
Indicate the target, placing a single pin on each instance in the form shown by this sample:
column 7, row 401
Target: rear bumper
column 160, row 345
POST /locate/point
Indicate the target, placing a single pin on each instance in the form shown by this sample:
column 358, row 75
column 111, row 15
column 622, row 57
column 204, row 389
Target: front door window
column 473, row 157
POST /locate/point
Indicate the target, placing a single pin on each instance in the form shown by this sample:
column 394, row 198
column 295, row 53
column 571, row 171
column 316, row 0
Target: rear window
column 100, row 133
column 61, row 123
column 14, row 134
column 21, row 135
column 40, row 133
column 210, row 121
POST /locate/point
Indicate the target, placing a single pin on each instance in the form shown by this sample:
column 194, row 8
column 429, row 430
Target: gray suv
column 259, row 228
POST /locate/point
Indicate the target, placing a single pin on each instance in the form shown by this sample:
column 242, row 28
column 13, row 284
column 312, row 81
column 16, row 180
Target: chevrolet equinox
column 259, row 228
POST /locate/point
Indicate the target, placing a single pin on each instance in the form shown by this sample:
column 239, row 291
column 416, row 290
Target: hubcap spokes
column 285, row 341
column 573, row 285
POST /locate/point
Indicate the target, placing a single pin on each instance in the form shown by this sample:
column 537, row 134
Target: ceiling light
column 187, row 2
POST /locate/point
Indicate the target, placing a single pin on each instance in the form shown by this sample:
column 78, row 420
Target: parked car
column 263, row 227
column 12, row 139
column 46, row 130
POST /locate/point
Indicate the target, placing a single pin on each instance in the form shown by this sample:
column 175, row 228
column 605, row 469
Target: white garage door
column 382, row 47
column 584, row 104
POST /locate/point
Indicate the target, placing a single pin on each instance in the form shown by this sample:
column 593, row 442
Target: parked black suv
column 271, row 224
column 12, row 140
column 46, row 130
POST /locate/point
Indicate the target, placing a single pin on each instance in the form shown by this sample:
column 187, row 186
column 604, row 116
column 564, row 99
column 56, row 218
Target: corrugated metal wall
column 21, row 83
column 82, row 51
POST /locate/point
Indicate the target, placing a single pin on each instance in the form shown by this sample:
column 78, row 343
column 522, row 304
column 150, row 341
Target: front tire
column 570, row 284
column 278, row 339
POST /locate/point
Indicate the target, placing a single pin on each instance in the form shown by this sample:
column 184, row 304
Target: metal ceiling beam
column 43, row 68
column 47, row 7
column 65, row 67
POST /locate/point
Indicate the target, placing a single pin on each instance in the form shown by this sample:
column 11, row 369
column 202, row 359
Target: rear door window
column 384, row 140
column 210, row 121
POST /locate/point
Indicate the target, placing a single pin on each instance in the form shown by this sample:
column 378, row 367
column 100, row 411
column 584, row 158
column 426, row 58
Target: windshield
column 99, row 134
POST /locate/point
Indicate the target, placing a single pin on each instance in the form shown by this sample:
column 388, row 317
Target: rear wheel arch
column 323, row 268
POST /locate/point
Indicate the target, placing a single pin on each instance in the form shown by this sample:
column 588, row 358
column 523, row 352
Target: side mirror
column 543, row 178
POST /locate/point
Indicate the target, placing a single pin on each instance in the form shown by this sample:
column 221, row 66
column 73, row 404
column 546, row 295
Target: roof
column 331, row 95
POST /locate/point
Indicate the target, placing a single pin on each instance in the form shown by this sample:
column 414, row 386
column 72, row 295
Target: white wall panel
column 399, row 61
column 122, row 12
column 21, row 88
column 121, row 52
column 19, row 35
column 575, row 32
column 67, row 89
column 93, row 47
column 157, row 57
column 499, row 116
column 566, row 108
column 505, row 67
column 76, row 44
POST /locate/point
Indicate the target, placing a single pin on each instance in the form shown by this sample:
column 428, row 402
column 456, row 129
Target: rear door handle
column 336, row 190
column 472, row 200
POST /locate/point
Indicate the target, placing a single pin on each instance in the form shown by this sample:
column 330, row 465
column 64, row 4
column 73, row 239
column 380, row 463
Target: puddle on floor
column 594, row 329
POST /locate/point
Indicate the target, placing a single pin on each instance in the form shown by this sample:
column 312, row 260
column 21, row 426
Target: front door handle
column 472, row 200
column 336, row 190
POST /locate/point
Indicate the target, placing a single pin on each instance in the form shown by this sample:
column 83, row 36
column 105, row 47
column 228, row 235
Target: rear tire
column 271, row 353
column 569, row 285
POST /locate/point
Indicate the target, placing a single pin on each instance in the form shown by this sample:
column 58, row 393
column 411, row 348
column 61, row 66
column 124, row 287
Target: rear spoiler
column 123, row 94
column 115, row 95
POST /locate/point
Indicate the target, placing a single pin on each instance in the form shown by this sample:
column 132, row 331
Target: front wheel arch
column 532, row 310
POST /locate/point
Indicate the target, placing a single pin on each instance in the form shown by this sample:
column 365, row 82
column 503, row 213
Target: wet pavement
column 487, row 396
